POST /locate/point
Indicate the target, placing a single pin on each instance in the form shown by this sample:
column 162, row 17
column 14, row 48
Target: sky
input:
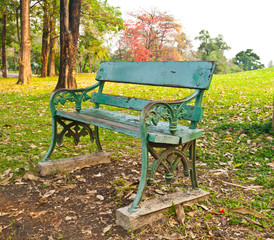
column 244, row 24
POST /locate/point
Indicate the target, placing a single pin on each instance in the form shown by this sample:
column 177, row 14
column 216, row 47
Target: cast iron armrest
column 171, row 111
column 73, row 95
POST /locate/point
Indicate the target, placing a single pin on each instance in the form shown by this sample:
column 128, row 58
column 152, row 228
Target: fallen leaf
column 89, row 232
column 48, row 194
column 107, row 228
column 270, row 164
column 19, row 182
column 243, row 135
column 68, row 218
column 92, row 192
column 3, row 214
column 192, row 214
column 203, row 207
column 252, row 221
column 30, row 176
column 69, row 187
column 6, row 180
column 180, row 213
column 248, row 211
column 5, row 173
column 33, row 146
column 100, row 197
column 237, row 165
column 37, row 214
column 174, row 236
column 15, row 214
column 159, row 191
column 2, row 228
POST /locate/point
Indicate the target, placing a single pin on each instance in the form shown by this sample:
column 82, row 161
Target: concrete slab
column 151, row 210
column 69, row 164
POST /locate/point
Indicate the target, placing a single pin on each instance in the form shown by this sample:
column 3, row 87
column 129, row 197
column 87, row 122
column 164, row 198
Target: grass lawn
column 237, row 129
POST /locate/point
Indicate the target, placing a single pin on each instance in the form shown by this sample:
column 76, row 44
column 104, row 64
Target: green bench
column 157, row 124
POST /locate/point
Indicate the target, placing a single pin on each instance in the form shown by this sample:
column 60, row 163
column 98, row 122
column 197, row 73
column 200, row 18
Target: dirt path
column 82, row 205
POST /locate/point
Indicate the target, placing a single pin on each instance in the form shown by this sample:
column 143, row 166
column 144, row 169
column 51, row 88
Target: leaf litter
column 73, row 208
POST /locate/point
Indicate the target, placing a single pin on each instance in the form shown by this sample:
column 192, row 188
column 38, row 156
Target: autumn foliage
column 151, row 36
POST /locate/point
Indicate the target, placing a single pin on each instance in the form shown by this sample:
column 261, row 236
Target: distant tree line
column 66, row 37
column 53, row 37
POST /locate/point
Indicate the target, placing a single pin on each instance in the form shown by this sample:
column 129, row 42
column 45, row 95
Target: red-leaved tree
column 151, row 36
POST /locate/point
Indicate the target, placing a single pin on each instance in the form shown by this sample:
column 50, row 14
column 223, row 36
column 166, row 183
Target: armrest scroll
column 171, row 111
column 73, row 95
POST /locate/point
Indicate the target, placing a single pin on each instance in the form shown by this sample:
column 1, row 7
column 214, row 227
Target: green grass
column 237, row 123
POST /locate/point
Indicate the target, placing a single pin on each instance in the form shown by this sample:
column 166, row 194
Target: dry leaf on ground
column 30, row 176
column 180, row 213
column 247, row 211
column 49, row 193
column 107, row 228
column 252, row 221
column 37, row 214
column 174, row 236
column 6, row 180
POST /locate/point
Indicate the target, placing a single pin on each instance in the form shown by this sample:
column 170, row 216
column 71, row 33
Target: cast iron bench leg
column 192, row 157
column 143, row 179
column 53, row 140
column 97, row 139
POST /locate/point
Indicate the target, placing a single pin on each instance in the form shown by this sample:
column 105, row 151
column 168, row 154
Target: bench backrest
column 195, row 75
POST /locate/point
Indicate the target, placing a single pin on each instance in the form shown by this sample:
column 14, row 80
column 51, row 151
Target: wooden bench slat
column 129, row 124
column 195, row 75
column 119, row 101
column 194, row 113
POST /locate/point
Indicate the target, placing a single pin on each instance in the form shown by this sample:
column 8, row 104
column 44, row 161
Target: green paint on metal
column 157, row 126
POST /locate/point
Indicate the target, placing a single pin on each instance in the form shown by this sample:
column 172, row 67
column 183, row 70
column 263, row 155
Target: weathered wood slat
column 129, row 124
column 119, row 101
column 194, row 113
column 196, row 75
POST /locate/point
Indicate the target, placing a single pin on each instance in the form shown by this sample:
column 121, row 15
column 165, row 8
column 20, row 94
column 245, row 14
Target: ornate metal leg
column 75, row 130
column 53, row 140
column 192, row 157
column 97, row 140
column 143, row 180
column 169, row 159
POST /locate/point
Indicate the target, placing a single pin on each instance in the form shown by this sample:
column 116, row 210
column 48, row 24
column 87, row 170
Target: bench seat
column 130, row 125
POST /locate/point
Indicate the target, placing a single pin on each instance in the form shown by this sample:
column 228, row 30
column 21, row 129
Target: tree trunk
column 17, row 25
column 15, row 59
column 4, row 56
column 69, row 34
column 24, row 63
column 45, row 40
column 52, row 42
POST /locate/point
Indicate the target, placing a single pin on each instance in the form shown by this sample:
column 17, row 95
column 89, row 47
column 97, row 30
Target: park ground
column 235, row 165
